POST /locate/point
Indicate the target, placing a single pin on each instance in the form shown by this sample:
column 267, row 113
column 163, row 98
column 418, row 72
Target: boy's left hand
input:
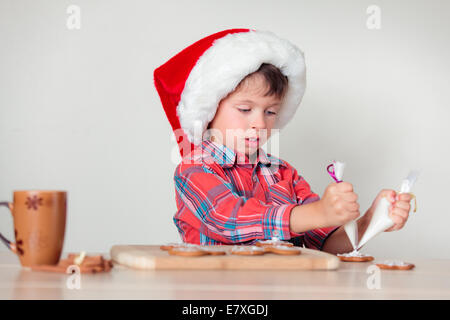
column 398, row 211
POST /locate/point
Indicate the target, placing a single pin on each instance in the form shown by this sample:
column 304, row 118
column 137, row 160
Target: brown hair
column 277, row 82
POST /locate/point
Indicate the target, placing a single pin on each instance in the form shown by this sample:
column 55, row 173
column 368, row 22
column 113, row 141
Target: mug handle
column 11, row 245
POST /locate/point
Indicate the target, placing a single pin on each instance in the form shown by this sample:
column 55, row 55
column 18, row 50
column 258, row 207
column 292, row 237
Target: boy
column 223, row 96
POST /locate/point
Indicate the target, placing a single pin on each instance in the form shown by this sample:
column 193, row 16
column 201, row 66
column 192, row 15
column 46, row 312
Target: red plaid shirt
column 222, row 200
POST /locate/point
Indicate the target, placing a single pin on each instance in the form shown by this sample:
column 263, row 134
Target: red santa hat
column 193, row 82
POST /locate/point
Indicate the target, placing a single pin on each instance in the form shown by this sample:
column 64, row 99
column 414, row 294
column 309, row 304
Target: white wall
column 79, row 112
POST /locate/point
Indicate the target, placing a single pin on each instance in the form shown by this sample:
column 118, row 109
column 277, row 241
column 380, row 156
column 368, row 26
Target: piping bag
column 380, row 220
column 336, row 171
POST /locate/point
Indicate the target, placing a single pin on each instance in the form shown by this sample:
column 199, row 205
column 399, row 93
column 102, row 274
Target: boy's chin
column 250, row 151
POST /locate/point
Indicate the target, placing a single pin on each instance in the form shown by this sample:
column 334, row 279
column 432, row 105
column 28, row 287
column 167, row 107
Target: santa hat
column 193, row 82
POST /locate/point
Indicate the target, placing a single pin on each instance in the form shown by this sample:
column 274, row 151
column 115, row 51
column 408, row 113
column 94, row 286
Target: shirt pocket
column 282, row 192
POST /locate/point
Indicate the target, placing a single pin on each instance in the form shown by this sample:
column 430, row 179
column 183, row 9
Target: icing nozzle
column 408, row 183
column 339, row 169
column 336, row 170
column 351, row 228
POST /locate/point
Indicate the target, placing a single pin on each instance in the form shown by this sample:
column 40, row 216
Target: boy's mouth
column 252, row 141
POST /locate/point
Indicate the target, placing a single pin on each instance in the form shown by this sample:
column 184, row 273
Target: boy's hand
column 398, row 211
column 339, row 204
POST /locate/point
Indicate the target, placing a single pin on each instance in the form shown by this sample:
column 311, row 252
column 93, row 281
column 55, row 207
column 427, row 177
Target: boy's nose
column 258, row 122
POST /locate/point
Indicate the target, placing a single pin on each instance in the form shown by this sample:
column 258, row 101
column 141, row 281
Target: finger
column 388, row 194
column 400, row 212
column 344, row 187
column 355, row 214
column 407, row 197
column 396, row 219
column 352, row 206
column 352, row 214
column 402, row 205
column 399, row 222
column 332, row 188
column 399, row 216
column 393, row 228
column 391, row 196
column 398, row 226
column 349, row 197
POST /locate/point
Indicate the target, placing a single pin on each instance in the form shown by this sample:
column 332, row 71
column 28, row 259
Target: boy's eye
column 271, row 113
column 244, row 110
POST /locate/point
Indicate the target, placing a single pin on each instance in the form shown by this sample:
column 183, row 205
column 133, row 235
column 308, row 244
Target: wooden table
column 429, row 280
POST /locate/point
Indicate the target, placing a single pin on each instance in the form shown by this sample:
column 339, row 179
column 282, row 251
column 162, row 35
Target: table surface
column 430, row 279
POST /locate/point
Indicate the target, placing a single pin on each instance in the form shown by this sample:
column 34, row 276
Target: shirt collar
column 227, row 157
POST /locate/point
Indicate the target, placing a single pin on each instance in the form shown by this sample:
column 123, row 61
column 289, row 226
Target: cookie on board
column 395, row 265
column 188, row 252
column 284, row 250
column 273, row 242
column 355, row 256
column 214, row 251
column 248, row 250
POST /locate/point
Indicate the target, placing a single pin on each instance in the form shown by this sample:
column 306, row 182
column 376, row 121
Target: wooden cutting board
column 153, row 258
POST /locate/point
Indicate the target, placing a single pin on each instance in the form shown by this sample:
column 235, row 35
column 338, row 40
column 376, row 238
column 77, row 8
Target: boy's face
column 245, row 118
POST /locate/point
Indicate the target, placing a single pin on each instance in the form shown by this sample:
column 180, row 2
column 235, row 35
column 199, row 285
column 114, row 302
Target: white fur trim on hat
column 222, row 67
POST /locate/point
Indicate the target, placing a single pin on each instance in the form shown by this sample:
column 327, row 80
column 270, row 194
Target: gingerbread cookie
column 214, row 251
column 167, row 247
column 354, row 256
column 273, row 242
column 284, row 250
column 395, row 265
column 248, row 250
column 190, row 251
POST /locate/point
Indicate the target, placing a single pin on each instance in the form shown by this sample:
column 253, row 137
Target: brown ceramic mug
column 39, row 225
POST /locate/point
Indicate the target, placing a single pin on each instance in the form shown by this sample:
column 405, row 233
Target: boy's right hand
column 339, row 204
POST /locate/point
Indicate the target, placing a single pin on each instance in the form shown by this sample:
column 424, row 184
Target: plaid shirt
column 222, row 200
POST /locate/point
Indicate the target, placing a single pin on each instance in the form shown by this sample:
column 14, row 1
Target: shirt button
column 254, row 179
column 275, row 233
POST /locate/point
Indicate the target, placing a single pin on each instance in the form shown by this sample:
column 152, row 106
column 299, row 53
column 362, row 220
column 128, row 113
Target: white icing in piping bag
column 380, row 220
column 351, row 228
column 339, row 169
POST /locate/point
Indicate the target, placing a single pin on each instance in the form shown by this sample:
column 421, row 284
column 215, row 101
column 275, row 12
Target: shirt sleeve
column 313, row 239
column 219, row 213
